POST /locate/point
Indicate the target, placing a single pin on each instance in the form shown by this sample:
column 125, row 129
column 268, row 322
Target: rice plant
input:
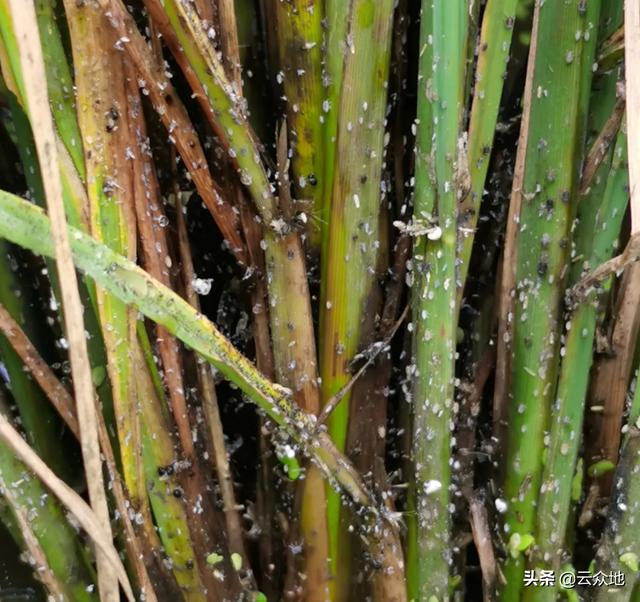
column 319, row 300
